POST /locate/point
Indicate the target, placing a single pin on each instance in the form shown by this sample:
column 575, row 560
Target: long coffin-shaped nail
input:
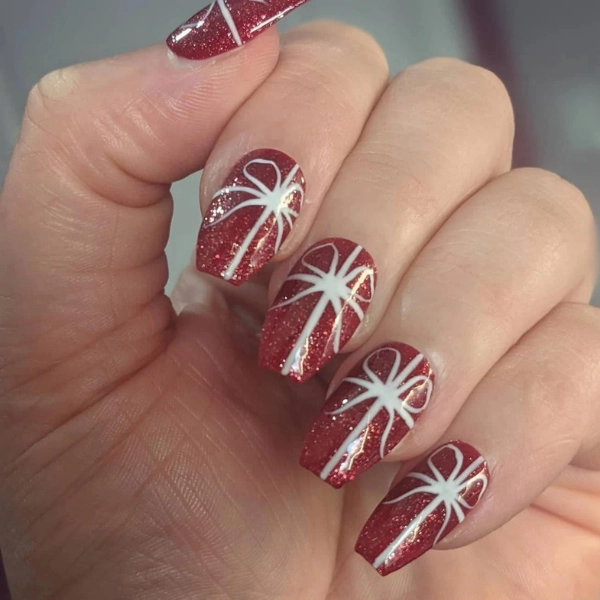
column 368, row 414
column 250, row 216
column 319, row 307
column 227, row 24
column 424, row 507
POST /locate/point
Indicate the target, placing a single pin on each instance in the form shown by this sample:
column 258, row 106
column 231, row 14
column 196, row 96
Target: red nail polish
column 318, row 309
column 424, row 507
column 227, row 24
column 368, row 414
column 250, row 217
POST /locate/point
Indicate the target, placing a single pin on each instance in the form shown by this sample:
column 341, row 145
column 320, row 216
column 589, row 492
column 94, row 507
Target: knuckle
column 326, row 43
column 463, row 86
column 554, row 199
column 459, row 71
column 323, row 62
column 377, row 166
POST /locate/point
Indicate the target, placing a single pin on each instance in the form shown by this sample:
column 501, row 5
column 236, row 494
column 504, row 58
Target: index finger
column 85, row 209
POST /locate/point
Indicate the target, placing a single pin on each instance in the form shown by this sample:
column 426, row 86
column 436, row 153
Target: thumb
column 85, row 210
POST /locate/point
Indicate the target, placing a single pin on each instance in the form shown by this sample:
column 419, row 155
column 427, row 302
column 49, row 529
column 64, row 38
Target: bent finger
column 397, row 187
column 524, row 424
column 464, row 302
column 86, row 205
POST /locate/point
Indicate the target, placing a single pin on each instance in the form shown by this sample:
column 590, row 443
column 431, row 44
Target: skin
column 143, row 455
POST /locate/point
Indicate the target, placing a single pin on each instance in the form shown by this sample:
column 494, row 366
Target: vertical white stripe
column 412, row 527
column 230, row 22
column 446, row 491
column 385, row 396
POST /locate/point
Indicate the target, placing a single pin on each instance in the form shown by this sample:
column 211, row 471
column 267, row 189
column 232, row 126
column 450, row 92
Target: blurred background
column 547, row 53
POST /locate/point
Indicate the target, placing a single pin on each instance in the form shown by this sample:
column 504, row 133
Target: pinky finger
column 531, row 416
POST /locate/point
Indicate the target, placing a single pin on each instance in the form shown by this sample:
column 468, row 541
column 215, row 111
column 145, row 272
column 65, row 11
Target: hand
column 146, row 455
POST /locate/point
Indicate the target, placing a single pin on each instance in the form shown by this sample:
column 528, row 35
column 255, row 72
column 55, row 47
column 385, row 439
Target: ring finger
column 505, row 258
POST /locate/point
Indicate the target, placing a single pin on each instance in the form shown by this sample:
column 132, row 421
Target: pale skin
column 144, row 455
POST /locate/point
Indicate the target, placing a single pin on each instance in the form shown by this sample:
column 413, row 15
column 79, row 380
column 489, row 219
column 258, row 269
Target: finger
column 527, row 420
column 295, row 130
column 505, row 258
column 86, row 205
column 441, row 130
column 223, row 26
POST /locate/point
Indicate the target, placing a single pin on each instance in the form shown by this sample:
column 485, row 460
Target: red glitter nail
column 424, row 507
column 227, row 24
column 372, row 409
column 318, row 309
column 251, row 216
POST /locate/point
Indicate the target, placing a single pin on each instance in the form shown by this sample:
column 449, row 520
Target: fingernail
column 368, row 414
column 250, row 217
column 424, row 507
column 318, row 309
column 225, row 25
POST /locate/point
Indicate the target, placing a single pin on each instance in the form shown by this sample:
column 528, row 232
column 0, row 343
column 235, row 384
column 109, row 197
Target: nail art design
column 368, row 414
column 424, row 507
column 318, row 309
column 251, row 216
column 227, row 24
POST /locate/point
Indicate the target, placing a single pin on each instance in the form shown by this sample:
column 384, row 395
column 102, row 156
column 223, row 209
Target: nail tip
column 201, row 267
column 210, row 33
column 385, row 569
column 243, row 228
column 296, row 377
column 332, row 480
column 306, row 326
column 381, row 571
column 178, row 49
column 265, row 361
column 191, row 45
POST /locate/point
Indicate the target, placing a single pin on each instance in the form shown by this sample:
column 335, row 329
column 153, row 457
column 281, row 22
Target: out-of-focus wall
column 555, row 47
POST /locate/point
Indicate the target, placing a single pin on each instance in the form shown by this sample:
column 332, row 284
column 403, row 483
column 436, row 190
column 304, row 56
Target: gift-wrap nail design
column 227, row 24
column 424, row 507
column 250, row 217
column 319, row 307
column 368, row 414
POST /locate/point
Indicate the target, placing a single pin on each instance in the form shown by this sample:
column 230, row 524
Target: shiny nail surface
column 250, row 217
column 369, row 413
column 424, row 507
column 225, row 25
column 319, row 307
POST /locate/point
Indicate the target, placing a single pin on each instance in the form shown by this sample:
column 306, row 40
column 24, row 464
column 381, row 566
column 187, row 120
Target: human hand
column 145, row 455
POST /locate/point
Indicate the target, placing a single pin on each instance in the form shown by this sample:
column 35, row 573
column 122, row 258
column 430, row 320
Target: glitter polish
column 369, row 413
column 250, row 217
column 319, row 307
column 424, row 507
column 225, row 25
